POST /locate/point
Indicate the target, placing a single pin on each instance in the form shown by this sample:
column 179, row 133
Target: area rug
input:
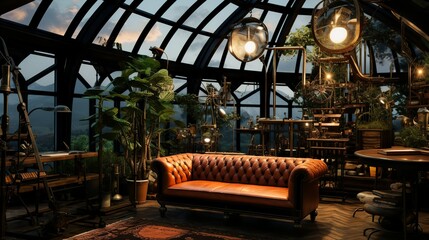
column 133, row 228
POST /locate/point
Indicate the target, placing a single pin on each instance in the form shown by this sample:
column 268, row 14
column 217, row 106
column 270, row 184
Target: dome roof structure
column 69, row 46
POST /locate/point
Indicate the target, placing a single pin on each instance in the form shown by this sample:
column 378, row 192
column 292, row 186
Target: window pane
column 59, row 15
column 215, row 60
column 131, row 31
column 202, row 12
column 79, row 127
column 178, row 9
column 154, row 38
column 176, row 44
column 195, row 48
column 87, row 16
column 310, row 3
column 271, row 21
column 213, row 25
column 22, row 14
column 151, row 6
column 42, row 122
column 105, row 32
column 88, row 72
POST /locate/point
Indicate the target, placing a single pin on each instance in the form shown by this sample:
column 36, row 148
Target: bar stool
column 387, row 205
column 390, row 218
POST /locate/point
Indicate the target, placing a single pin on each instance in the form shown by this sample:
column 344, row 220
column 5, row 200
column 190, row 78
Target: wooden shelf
column 52, row 157
column 58, row 182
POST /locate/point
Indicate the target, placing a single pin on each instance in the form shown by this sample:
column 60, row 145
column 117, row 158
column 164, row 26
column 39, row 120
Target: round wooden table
column 409, row 161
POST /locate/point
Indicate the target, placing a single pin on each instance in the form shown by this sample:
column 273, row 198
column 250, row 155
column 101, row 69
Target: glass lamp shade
column 337, row 25
column 248, row 39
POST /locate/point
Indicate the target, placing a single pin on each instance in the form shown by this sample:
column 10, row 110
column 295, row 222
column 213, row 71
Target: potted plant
column 374, row 126
column 148, row 92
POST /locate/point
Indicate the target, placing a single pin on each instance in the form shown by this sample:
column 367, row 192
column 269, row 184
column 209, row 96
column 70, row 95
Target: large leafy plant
column 148, row 92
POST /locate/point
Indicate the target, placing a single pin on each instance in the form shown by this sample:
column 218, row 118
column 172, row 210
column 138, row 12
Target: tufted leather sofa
column 283, row 187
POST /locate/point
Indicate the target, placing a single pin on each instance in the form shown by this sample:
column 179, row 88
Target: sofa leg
column 162, row 210
column 313, row 215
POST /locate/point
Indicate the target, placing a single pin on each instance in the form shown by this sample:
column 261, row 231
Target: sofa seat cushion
column 232, row 193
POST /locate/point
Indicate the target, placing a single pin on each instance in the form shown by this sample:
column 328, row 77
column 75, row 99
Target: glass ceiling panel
column 277, row 2
column 256, row 13
column 231, row 62
column 154, row 38
column 219, row 18
column 176, row 44
column 255, row 65
column 217, row 56
column 195, row 48
column 310, row 3
column 23, row 14
column 87, row 16
column 105, row 32
column 151, row 6
column 131, row 31
column 178, row 9
column 59, row 15
column 271, row 21
column 201, row 13
column 301, row 20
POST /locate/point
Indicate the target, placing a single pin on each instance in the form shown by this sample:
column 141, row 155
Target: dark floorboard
column 334, row 221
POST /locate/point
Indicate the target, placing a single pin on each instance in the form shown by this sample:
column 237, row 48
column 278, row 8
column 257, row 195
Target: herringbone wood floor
column 334, row 221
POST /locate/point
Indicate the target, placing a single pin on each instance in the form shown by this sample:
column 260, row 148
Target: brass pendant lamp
column 248, row 39
column 337, row 25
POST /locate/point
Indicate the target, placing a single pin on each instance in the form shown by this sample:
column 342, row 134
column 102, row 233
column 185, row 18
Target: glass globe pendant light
column 248, row 39
column 337, row 25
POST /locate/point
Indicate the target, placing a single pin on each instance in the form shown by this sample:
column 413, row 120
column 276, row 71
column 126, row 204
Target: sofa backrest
column 260, row 170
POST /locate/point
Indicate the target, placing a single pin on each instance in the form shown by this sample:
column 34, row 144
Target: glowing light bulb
column 328, row 76
column 207, row 140
column 338, row 34
column 250, row 47
column 420, row 72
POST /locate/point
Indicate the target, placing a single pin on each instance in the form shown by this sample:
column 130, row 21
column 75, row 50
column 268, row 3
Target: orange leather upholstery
column 273, row 185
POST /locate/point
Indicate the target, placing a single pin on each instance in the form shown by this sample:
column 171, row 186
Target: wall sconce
column 420, row 73
column 337, row 25
column 248, row 39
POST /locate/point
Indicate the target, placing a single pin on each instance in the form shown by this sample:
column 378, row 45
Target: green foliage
column 148, row 93
column 412, row 136
column 80, row 143
column 378, row 115
column 191, row 106
column 303, row 37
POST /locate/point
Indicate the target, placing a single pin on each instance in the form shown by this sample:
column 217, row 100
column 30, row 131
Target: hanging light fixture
column 337, row 25
column 248, row 39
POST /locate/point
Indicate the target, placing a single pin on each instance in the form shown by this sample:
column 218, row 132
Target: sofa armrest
column 308, row 171
column 303, row 181
column 172, row 170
